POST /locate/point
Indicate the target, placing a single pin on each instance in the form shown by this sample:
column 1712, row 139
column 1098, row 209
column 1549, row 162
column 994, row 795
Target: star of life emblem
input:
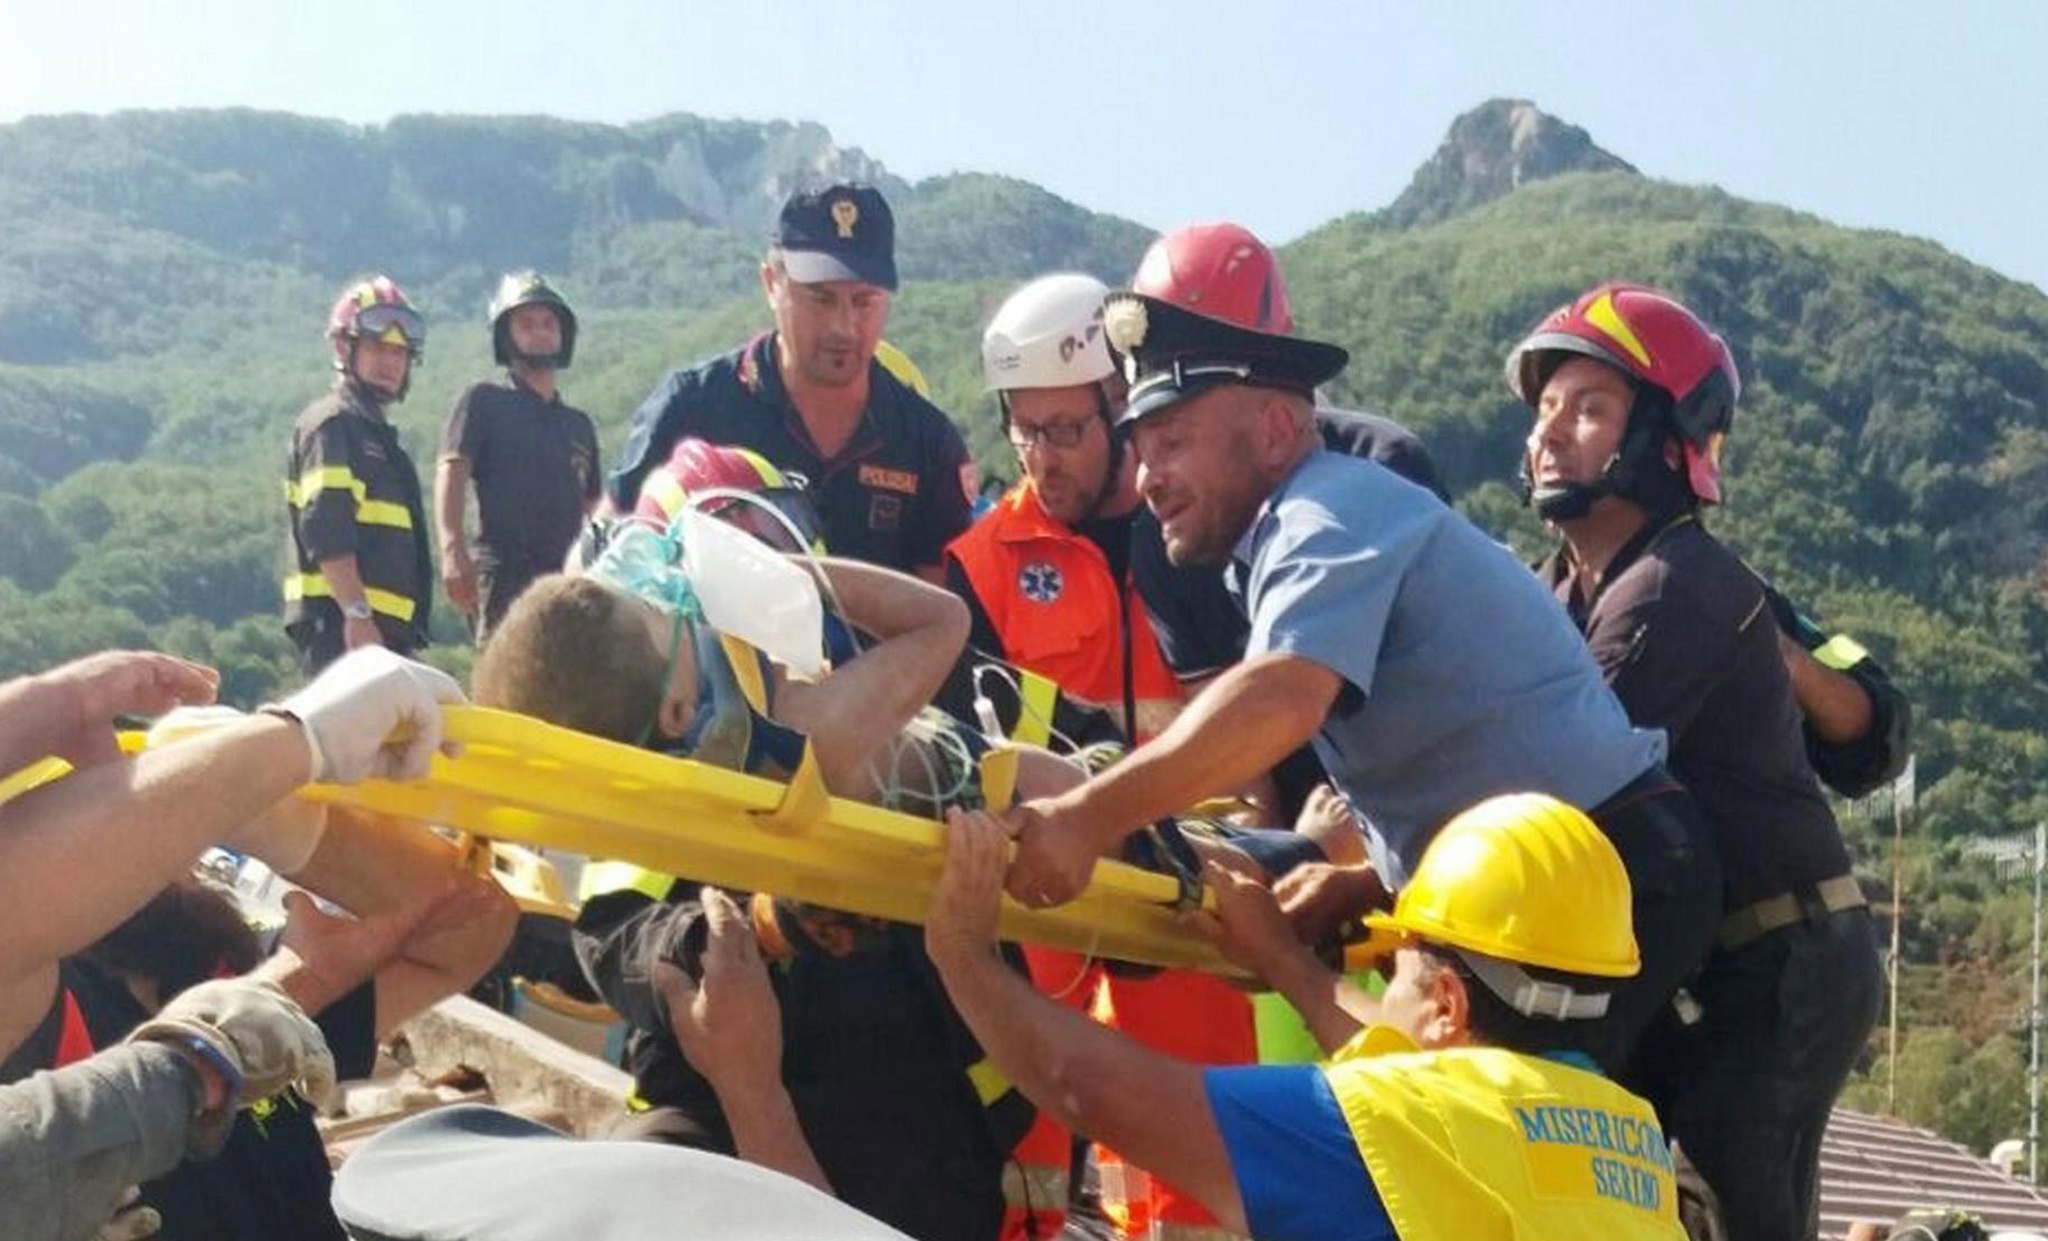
column 1040, row 582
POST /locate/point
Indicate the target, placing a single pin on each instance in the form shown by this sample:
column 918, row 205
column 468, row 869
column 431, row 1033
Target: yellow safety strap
column 746, row 669
column 1841, row 652
column 602, row 877
column 315, row 586
column 1037, row 696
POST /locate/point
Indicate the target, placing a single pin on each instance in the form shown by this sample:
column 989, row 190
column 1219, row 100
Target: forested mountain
column 163, row 278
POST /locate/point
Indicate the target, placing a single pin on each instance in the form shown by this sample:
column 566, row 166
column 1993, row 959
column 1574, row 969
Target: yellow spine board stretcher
column 519, row 779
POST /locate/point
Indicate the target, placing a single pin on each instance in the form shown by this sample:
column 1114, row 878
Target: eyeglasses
column 1052, row 434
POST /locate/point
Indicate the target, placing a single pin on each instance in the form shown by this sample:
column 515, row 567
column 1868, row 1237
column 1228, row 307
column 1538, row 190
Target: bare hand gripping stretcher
column 519, row 779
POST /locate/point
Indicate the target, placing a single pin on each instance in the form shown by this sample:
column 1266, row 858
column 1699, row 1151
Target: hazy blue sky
column 1930, row 119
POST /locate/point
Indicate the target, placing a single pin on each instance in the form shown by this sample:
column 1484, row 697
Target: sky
column 1927, row 119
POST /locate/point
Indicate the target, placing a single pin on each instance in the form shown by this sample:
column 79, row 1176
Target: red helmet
column 374, row 307
column 1218, row 270
column 1661, row 346
column 695, row 466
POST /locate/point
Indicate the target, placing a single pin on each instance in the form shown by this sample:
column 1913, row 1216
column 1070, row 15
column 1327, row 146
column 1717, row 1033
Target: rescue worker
column 886, row 468
column 1633, row 397
column 1046, row 576
column 75, row 1139
column 116, row 835
column 360, row 573
column 1469, row 1105
column 1858, row 724
column 1225, row 271
column 1428, row 666
column 532, row 456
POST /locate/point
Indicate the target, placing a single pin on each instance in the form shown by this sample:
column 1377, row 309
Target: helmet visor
column 383, row 318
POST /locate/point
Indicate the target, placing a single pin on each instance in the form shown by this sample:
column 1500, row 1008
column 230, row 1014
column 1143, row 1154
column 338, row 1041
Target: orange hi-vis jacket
column 1048, row 591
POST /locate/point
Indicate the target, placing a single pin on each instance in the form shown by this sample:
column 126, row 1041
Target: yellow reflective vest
column 1478, row 1142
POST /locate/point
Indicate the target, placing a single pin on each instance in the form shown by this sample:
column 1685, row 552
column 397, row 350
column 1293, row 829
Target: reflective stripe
column 326, row 478
column 315, row 586
column 1039, row 695
column 989, row 1082
column 384, row 513
column 1841, row 652
column 341, row 478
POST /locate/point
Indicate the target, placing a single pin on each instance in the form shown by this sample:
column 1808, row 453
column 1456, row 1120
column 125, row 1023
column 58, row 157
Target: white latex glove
column 373, row 714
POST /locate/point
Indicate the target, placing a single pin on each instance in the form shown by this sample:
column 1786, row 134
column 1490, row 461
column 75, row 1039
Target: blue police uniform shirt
column 1464, row 679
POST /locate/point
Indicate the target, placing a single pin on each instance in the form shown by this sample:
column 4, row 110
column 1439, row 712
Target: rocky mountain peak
column 1493, row 149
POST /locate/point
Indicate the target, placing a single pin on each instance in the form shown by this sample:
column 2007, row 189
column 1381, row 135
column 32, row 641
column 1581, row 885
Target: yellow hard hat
column 898, row 363
column 1522, row 878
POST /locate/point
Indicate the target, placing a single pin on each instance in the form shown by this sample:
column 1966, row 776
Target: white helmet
column 1048, row 334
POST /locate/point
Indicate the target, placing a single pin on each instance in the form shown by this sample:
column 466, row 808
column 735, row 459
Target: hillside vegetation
column 163, row 278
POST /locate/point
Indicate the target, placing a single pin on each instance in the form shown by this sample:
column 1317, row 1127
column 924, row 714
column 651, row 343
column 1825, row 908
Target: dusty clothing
column 271, row 1179
column 74, row 1139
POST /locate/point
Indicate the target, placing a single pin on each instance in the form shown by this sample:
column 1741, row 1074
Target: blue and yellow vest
column 1478, row 1142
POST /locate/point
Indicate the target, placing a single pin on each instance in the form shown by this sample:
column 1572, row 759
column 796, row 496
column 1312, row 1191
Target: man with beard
column 115, row 837
column 532, row 456
column 1428, row 667
column 886, row 468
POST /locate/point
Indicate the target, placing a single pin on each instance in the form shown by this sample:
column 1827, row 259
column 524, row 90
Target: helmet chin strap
column 1636, row 472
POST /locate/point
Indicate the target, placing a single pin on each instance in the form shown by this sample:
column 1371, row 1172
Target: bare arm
column 1150, row 1107
column 858, row 709
column 458, row 571
column 345, row 580
column 729, row 1027
column 1251, row 717
column 109, row 837
column 385, row 868
column 1837, row 709
column 1248, row 719
column 1251, row 930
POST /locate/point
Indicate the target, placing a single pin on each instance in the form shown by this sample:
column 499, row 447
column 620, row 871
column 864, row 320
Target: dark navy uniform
column 1688, row 642
column 351, row 490
column 535, row 467
column 893, row 496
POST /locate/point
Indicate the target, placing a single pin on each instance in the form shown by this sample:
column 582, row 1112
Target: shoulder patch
column 886, row 479
column 1040, row 582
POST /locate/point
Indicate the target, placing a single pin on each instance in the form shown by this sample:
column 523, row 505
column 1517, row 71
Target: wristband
column 213, row 1058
